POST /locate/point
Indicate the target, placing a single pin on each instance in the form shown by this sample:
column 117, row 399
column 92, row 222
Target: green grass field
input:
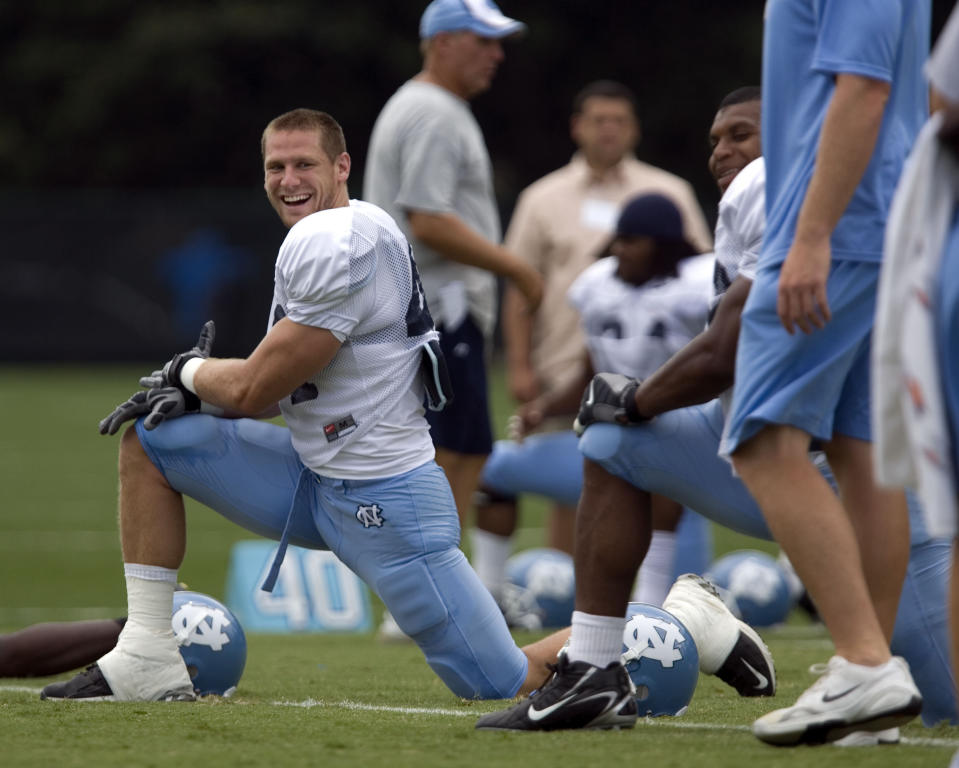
column 304, row 699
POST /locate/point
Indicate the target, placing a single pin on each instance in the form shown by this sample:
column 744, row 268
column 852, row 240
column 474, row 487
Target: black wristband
column 629, row 403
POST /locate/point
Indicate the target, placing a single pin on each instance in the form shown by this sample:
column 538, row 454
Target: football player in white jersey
column 654, row 437
column 349, row 358
column 636, row 310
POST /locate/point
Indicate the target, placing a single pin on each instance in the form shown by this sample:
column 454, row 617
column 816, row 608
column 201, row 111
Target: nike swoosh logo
column 760, row 677
column 538, row 714
column 829, row 697
column 591, row 397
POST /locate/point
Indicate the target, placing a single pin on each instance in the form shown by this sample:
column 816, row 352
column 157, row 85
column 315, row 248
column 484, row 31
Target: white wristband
column 189, row 371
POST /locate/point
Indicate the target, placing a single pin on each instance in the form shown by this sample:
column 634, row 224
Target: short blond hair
column 332, row 140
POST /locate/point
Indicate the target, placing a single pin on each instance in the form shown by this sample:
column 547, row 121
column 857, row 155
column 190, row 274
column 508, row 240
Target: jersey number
column 418, row 319
column 306, row 391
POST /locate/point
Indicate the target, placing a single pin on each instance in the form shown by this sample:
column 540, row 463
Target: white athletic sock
column 597, row 640
column 490, row 553
column 655, row 575
column 150, row 595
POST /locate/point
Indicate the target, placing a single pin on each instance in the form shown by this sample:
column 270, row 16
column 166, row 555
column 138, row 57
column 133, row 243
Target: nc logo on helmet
column 200, row 625
column 654, row 638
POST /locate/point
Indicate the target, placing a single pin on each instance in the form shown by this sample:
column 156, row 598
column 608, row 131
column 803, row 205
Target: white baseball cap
column 480, row 16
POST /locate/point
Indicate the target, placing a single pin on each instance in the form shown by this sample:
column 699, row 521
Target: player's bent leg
column 492, row 538
column 244, row 469
column 463, row 471
column 54, row 647
column 542, row 657
column 151, row 514
column 881, row 523
column 613, row 529
column 408, row 554
column 442, row 605
column 694, row 544
column 548, row 465
column 675, row 455
column 921, row 634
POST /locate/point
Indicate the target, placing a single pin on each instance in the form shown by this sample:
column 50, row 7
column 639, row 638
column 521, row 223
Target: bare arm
column 846, row 144
column 290, row 354
column 449, row 235
column 559, row 403
column 517, row 340
column 705, row 367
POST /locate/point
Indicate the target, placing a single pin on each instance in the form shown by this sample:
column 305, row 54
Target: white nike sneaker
column 728, row 647
column 847, row 698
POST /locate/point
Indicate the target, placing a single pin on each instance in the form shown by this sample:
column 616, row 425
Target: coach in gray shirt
column 428, row 166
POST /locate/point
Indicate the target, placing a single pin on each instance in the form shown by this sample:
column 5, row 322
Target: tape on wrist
column 189, row 371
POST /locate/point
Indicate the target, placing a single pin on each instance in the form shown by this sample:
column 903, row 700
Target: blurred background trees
column 160, row 106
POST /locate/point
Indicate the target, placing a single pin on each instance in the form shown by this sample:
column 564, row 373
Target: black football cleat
column 89, row 685
column 728, row 647
column 578, row 695
column 749, row 668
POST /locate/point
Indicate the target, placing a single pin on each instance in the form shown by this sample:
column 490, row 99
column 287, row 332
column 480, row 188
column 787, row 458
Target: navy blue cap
column 482, row 17
column 651, row 215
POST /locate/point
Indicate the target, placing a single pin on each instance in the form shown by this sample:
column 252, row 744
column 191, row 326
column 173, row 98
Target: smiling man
column 350, row 358
column 674, row 455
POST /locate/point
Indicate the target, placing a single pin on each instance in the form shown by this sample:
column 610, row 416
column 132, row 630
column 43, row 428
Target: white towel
column 911, row 436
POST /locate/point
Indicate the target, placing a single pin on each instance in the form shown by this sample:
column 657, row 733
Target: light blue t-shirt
column 806, row 44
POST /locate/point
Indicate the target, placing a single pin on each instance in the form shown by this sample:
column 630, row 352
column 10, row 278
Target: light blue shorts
column 818, row 382
column 399, row 534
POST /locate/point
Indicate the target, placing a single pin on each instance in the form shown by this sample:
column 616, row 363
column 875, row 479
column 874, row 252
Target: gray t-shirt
column 427, row 153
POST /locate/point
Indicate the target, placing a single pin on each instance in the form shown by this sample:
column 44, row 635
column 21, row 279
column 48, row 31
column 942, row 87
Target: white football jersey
column 633, row 329
column 739, row 236
column 739, row 229
column 350, row 270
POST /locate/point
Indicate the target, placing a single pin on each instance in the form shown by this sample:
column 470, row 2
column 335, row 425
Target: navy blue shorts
column 463, row 426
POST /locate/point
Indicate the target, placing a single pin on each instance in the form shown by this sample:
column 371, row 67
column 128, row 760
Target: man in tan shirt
column 561, row 224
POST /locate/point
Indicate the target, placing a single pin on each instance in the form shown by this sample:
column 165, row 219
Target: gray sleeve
column 430, row 159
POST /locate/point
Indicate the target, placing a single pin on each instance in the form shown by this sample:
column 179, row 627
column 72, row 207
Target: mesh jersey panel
column 373, row 381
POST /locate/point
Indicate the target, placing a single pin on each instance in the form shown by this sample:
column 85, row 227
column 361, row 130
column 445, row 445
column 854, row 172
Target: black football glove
column 157, row 405
column 170, row 375
column 609, row 397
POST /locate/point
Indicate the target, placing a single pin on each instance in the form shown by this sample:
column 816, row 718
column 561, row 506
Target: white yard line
column 658, row 722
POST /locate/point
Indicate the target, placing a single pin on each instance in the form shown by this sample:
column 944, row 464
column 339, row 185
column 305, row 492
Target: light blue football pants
column 551, row 465
column 406, row 549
